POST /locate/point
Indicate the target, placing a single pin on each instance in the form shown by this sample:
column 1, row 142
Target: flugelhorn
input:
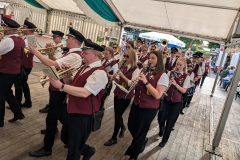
column 60, row 74
column 47, row 51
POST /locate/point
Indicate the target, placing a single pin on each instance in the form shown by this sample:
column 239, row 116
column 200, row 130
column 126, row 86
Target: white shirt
column 70, row 59
column 203, row 67
column 7, row 44
column 97, row 80
column 186, row 83
column 163, row 80
column 59, row 53
column 199, row 69
column 114, row 68
column 192, row 78
column 117, row 57
column 165, row 60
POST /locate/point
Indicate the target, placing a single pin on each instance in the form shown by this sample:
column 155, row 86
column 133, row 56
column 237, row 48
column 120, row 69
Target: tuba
column 164, row 42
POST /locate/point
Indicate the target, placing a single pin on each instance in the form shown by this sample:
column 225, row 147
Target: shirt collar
column 181, row 73
column 60, row 43
column 129, row 66
column 95, row 64
column 74, row 49
column 16, row 35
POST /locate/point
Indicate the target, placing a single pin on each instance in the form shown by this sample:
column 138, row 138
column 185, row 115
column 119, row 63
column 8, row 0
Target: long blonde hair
column 185, row 62
column 132, row 55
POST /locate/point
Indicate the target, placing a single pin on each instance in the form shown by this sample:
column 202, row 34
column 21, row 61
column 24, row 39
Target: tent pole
column 120, row 35
column 219, row 69
column 48, row 18
column 225, row 112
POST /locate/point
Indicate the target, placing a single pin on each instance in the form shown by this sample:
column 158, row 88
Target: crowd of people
column 160, row 82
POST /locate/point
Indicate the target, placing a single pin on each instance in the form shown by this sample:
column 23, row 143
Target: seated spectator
column 225, row 82
column 225, row 72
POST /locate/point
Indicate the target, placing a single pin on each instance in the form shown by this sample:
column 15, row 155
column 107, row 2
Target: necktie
column 170, row 62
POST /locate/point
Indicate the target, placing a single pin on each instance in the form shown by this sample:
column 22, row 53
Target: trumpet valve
column 43, row 77
column 69, row 73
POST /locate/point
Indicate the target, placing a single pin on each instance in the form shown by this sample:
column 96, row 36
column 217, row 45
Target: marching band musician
column 11, row 53
column 202, row 66
column 146, row 103
column 129, row 45
column 129, row 72
column 143, row 58
column 171, row 61
column 117, row 55
column 57, row 39
column 207, row 70
column 172, row 102
column 110, row 65
column 57, row 97
column 88, row 84
column 191, row 75
column 197, row 73
column 139, row 46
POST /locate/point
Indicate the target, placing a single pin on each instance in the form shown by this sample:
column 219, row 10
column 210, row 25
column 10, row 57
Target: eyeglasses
column 126, row 56
column 189, row 66
column 127, row 46
column 114, row 47
column 177, row 56
column 152, row 49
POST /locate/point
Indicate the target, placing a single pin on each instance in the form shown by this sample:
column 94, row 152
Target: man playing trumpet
column 57, row 97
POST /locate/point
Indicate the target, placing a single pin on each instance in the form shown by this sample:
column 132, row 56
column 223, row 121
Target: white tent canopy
column 160, row 36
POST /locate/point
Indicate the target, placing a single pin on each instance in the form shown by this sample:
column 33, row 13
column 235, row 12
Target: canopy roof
column 160, row 36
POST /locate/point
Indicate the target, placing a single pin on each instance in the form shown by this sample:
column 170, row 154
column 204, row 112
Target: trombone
column 20, row 30
column 46, row 51
column 61, row 74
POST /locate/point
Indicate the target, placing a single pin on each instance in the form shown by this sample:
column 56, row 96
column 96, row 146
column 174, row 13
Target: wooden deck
column 192, row 131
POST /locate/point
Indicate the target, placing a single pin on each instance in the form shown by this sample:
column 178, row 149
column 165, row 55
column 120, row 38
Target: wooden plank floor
column 187, row 142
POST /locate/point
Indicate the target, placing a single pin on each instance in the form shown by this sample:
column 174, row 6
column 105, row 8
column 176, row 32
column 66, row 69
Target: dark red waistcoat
column 168, row 65
column 117, row 60
column 67, row 53
column 82, row 105
column 143, row 97
column 111, row 64
column 11, row 62
column 119, row 93
column 28, row 60
column 143, row 59
column 176, row 96
column 195, row 70
column 207, row 65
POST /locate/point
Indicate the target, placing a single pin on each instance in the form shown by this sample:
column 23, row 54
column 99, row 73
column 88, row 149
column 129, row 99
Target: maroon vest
column 11, row 62
column 168, row 65
column 82, row 105
column 67, row 53
column 176, row 96
column 28, row 60
column 119, row 93
column 111, row 64
column 143, row 59
column 195, row 70
column 207, row 65
column 117, row 60
column 143, row 97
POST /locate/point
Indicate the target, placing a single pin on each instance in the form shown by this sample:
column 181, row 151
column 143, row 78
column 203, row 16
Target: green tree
column 188, row 41
column 213, row 45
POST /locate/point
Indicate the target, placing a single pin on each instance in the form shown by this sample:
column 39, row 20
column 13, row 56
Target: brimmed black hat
column 57, row 34
column 75, row 34
column 140, row 40
column 90, row 45
column 29, row 24
column 174, row 49
column 10, row 23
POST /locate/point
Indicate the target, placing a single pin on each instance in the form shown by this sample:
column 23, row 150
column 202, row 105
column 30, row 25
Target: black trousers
column 6, row 94
column 169, row 113
column 189, row 98
column 203, row 78
column 120, row 105
column 57, row 111
column 139, row 122
column 184, row 100
column 21, row 86
column 75, row 132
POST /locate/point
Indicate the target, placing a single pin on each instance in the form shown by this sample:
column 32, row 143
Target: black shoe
column 160, row 134
column 187, row 105
column 121, row 134
column 181, row 112
column 132, row 158
column 1, row 124
column 8, row 107
column 173, row 128
column 40, row 153
column 65, row 146
column 26, row 105
column 45, row 109
column 91, row 153
column 43, row 131
column 16, row 118
column 144, row 144
column 110, row 142
column 162, row 144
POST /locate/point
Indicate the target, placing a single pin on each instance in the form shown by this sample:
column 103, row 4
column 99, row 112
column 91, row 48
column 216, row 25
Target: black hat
column 29, row 24
column 75, row 34
column 140, row 40
column 90, row 45
column 10, row 23
column 174, row 49
column 196, row 55
column 57, row 34
column 200, row 54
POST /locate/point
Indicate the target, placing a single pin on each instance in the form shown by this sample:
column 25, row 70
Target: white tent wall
column 59, row 20
column 38, row 17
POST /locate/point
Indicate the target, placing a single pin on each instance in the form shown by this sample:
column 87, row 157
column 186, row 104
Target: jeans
column 225, row 82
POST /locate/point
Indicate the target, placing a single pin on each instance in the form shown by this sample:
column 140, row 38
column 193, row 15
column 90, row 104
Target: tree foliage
column 188, row 41
column 213, row 45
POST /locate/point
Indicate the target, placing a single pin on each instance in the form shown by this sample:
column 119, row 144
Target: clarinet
column 133, row 86
column 114, row 77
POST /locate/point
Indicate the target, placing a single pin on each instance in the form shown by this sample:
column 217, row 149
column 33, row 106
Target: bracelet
column 175, row 85
column 146, row 83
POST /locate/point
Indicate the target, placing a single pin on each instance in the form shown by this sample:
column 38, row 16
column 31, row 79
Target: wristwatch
column 61, row 89
column 146, row 83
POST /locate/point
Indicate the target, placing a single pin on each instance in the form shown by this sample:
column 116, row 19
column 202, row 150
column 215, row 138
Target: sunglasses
column 177, row 56
column 127, row 46
column 144, row 50
column 173, row 52
column 152, row 49
column 126, row 56
column 189, row 66
column 114, row 47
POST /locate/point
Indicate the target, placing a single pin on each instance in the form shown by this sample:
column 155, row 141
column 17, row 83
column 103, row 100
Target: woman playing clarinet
column 130, row 71
column 180, row 82
column 146, row 103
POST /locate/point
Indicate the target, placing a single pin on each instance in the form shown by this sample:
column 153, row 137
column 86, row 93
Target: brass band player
column 57, row 96
column 11, row 50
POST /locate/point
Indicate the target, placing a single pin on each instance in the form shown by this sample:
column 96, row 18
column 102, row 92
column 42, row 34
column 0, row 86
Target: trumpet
column 61, row 74
column 46, row 51
column 147, row 68
column 20, row 30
